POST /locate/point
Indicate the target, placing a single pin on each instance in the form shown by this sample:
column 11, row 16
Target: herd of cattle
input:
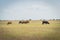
column 27, row 21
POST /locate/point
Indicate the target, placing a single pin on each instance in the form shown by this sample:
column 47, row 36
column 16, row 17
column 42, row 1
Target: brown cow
column 24, row 21
column 45, row 22
column 9, row 23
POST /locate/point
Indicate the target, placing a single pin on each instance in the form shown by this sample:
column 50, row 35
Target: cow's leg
column 22, row 22
column 42, row 23
column 48, row 22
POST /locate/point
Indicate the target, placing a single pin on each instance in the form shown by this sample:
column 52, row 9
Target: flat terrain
column 31, row 31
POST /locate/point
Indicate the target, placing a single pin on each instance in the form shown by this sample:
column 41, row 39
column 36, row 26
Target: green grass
column 31, row 31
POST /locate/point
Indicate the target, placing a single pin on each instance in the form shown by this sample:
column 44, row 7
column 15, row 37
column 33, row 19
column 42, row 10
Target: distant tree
column 29, row 19
column 57, row 19
column 40, row 19
column 53, row 19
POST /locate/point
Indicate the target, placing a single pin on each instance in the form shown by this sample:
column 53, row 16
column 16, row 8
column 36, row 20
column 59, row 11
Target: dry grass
column 31, row 31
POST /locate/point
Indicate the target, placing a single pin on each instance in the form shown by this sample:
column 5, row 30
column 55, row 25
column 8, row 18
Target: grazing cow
column 9, row 23
column 26, row 21
column 45, row 22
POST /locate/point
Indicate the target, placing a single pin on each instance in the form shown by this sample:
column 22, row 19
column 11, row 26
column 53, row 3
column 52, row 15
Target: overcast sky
column 29, row 9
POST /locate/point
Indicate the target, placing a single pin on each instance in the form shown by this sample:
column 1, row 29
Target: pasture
column 30, row 31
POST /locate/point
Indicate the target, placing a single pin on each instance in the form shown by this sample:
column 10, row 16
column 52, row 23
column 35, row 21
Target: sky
column 29, row 9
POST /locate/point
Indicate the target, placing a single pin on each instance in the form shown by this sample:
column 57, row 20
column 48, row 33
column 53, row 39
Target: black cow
column 45, row 22
column 24, row 21
column 9, row 23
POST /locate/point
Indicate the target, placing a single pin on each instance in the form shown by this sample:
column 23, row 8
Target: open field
column 31, row 31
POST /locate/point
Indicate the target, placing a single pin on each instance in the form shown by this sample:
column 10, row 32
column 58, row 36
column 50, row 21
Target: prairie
column 31, row 31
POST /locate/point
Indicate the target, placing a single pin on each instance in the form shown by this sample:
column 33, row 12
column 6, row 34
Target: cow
column 45, row 22
column 23, row 21
column 9, row 23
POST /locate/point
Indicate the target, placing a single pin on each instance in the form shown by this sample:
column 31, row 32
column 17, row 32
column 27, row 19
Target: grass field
column 31, row 31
